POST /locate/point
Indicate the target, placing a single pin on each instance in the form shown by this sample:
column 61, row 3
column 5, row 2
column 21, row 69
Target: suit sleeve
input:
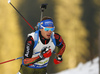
column 28, row 47
column 28, row 52
column 60, row 44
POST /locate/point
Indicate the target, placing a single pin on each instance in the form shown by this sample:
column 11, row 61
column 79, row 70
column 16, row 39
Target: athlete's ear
column 41, row 29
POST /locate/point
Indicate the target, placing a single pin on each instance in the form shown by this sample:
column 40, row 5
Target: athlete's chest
column 40, row 46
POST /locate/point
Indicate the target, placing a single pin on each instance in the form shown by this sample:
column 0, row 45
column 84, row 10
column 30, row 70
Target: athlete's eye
column 46, row 29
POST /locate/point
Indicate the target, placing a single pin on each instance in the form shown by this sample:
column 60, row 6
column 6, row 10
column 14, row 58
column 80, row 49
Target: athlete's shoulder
column 57, row 36
column 31, row 34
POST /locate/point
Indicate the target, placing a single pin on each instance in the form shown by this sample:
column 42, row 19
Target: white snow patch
column 87, row 68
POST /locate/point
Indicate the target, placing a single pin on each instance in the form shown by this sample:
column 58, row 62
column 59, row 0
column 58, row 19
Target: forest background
column 77, row 21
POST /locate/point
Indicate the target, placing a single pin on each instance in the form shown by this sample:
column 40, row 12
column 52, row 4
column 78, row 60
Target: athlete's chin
column 47, row 37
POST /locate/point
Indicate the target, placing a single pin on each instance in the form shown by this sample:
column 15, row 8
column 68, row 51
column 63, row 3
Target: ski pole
column 9, row 1
column 11, row 60
column 22, row 57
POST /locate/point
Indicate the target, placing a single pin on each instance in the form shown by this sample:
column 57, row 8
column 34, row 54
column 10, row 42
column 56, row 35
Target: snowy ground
column 86, row 68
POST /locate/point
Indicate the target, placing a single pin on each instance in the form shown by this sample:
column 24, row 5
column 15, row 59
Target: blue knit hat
column 46, row 23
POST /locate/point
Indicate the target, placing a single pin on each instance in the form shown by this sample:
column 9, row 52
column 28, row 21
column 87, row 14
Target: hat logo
column 49, row 24
column 41, row 23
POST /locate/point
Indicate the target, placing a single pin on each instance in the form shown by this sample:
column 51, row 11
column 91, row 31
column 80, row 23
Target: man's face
column 46, row 34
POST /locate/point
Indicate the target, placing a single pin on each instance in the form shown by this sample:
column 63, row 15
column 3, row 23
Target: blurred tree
column 68, row 21
column 90, row 18
column 10, row 38
column 77, row 22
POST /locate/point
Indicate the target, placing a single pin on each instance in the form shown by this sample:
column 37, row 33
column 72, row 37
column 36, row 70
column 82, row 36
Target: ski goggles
column 48, row 29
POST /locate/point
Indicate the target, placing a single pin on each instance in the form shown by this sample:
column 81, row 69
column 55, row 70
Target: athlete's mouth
column 48, row 35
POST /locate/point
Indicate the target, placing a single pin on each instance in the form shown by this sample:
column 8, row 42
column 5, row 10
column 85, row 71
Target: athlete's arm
column 28, row 52
column 28, row 60
column 60, row 44
column 61, row 48
column 28, row 47
column 44, row 53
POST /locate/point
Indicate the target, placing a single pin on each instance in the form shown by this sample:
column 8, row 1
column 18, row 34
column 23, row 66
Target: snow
column 87, row 68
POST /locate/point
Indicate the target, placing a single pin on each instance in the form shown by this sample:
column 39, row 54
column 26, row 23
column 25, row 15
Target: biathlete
column 39, row 47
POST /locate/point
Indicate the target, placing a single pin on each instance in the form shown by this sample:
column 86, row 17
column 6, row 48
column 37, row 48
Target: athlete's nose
column 50, row 31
